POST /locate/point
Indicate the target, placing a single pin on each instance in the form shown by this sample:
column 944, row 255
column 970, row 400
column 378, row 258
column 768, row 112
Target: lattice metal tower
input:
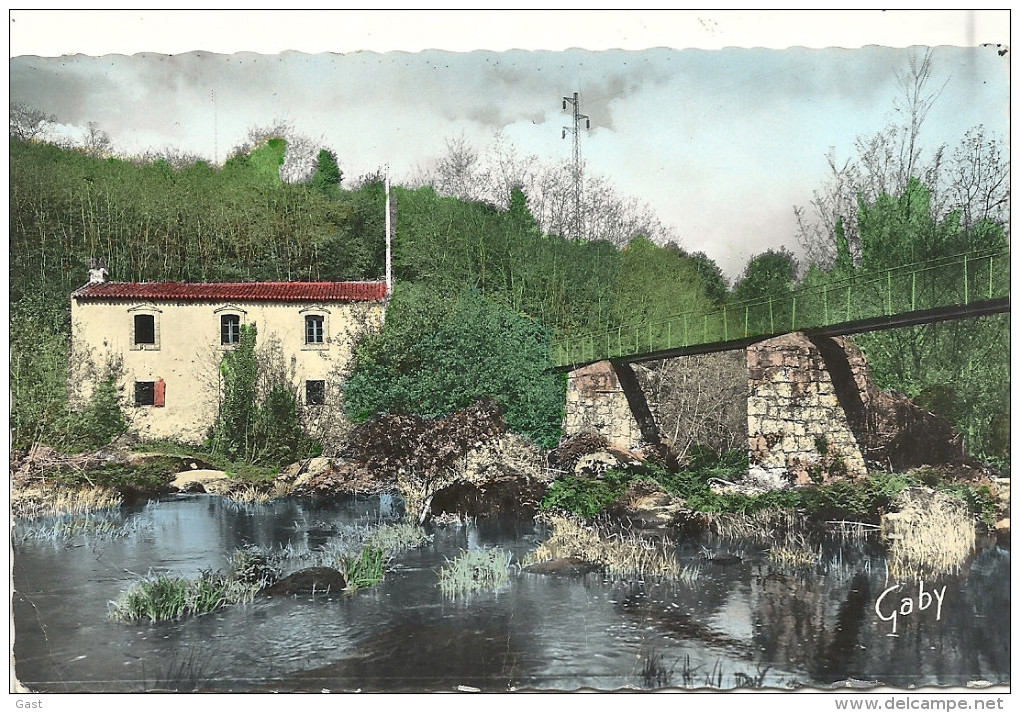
column 577, row 169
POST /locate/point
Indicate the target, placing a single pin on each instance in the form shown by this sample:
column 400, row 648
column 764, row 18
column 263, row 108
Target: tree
column 28, row 123
column 764, row 288
column 712, row 279
column 259, row 420
column 492, row 175
column 656, row 283
column 328, row 175
column 768, row 274
column 302, row 156
column 96, row 142
column 959, row 368
column 439, row 354
column 884, row 163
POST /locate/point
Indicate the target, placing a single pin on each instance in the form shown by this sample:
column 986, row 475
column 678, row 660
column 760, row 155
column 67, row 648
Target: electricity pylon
column 576, row 131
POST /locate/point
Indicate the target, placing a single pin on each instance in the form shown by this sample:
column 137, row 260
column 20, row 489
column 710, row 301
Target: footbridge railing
column 965, row 285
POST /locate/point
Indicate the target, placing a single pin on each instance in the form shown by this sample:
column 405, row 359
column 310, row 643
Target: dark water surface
column 743, row 622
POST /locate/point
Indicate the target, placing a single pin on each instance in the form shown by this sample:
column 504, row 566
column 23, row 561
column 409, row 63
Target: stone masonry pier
column 806, row 407
column 797, row 421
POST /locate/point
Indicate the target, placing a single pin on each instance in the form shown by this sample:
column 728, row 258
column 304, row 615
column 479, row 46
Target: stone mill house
column 164, row 342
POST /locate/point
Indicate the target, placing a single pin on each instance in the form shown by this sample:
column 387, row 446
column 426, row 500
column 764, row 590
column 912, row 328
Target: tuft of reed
column 795, row 557
column 106, row 525
column 396, row 537
column 250, row 495
column 163, row 597
column 654, row 673
column 181, row 674
column 619, row 555
column 364, row 570
column 256, row 566
column 475, row 570
column 759, row 526
column 931, row 533
column 43, row 502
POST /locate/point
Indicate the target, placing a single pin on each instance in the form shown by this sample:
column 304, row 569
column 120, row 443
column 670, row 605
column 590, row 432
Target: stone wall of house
column 795, row 420
column 596, row 403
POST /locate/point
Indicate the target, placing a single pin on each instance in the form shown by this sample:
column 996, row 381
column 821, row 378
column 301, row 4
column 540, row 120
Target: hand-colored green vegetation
column 863, row 498
column 586, row 496
column 258, row 420
column 239, row 469
column 475, row 570
column 362, row 559
column 377, row 546
column 151, row 474
column 481, row 290
column 366, row 569
column 438, row 354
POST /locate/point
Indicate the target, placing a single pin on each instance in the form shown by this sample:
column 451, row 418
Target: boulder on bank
column 565, row 456
column 214, row 482
column 513, row 496
column 646, row 506
column 314, row 580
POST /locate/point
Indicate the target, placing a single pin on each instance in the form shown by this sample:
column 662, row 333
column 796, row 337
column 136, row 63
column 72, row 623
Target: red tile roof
column 236, row 291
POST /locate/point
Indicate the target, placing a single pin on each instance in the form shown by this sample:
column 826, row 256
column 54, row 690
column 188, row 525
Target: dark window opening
column 230, row 329
column 145, row 329
column 315, row 393
column 314, row 329
column 145, row 393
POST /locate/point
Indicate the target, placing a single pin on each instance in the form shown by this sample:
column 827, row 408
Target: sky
column 720, row 121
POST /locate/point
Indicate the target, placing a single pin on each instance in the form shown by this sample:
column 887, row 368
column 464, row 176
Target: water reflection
column 743, row 621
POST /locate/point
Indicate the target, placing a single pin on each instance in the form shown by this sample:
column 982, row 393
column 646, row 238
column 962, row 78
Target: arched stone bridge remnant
column 813, row 412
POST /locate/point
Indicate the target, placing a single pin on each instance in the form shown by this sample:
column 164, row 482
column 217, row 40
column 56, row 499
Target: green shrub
column 247, row 429
column 99, row 423
column 858, row 498
column 437, row 355
column 978, row 498
column 587, row 497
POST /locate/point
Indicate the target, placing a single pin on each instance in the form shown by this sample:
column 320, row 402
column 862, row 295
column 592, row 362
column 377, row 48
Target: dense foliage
column 256, row 425
column 441, row 354
column 861, row 499
column 510, row 285
column 480, row 292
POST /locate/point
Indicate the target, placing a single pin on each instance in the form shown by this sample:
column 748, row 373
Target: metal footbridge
column 968, row 285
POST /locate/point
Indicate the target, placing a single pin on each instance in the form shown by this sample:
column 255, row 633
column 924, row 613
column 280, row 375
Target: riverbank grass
column 622, row 556
column 55, row 501
column 366, row 569
column 931, row 533
column 163, row 597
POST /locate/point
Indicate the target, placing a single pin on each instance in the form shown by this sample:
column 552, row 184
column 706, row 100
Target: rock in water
column 317, row 580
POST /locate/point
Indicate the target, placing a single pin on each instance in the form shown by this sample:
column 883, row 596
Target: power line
column 576, row 131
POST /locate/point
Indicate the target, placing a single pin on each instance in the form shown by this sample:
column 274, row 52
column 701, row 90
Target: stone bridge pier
column 806, row 406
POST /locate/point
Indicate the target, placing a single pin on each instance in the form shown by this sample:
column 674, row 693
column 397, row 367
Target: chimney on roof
column 98, row 274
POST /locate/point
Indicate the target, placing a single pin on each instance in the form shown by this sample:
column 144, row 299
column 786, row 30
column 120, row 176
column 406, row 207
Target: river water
column 743, row 622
